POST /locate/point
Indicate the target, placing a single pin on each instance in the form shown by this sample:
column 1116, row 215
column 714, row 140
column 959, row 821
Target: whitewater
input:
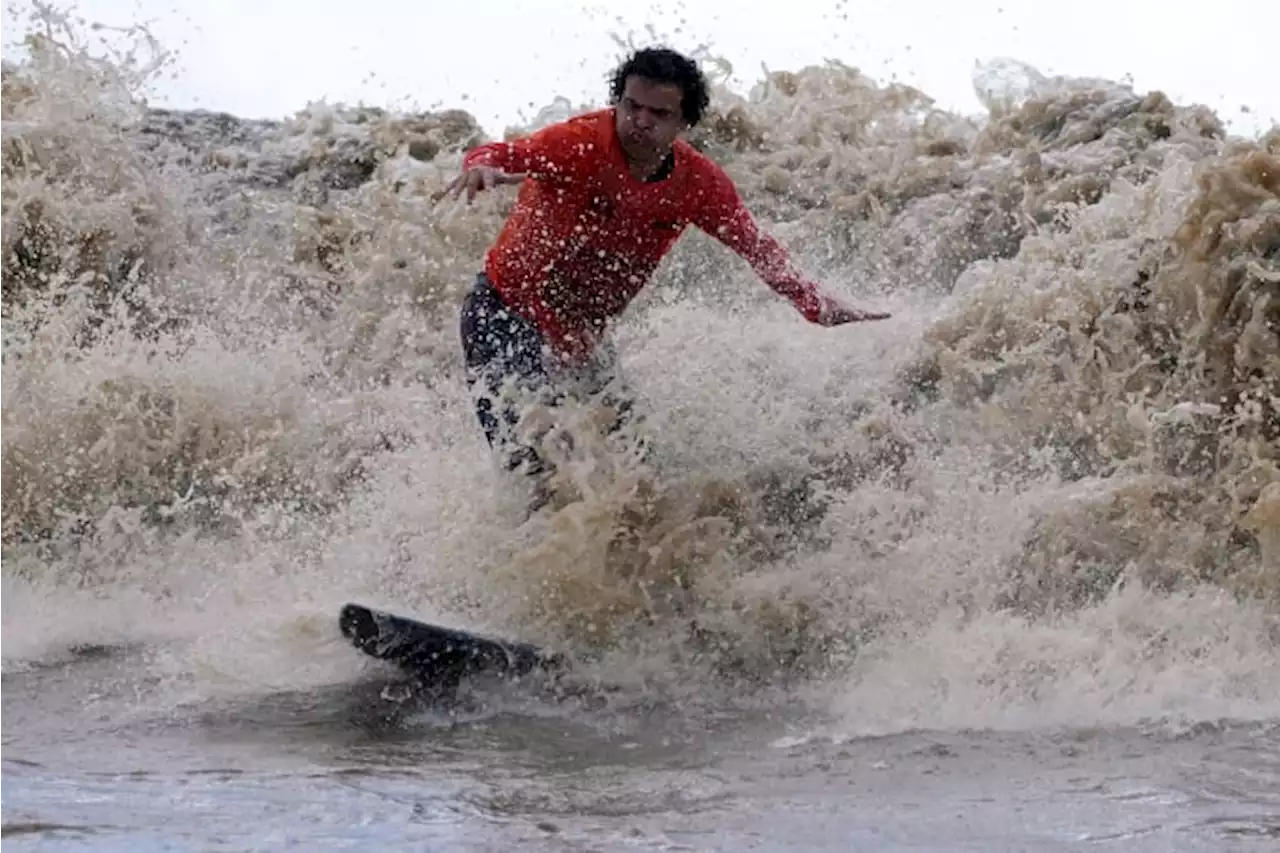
column 999, row 573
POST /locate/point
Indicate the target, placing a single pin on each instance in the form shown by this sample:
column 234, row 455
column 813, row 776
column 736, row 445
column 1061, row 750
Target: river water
column 347, row 767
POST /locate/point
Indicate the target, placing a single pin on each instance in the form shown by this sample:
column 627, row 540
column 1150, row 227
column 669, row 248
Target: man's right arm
column 556, row 150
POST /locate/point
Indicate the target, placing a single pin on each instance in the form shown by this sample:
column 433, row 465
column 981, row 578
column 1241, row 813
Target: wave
column 232, row 399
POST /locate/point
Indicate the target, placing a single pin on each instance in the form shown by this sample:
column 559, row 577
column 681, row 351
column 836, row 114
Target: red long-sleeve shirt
column 585, row 235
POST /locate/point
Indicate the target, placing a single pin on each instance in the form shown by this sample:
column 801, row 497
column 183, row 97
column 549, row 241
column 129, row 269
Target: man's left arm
column 722, row 214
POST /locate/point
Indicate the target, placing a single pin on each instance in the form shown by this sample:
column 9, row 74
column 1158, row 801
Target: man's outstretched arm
column 723, row 215
column 558, row 150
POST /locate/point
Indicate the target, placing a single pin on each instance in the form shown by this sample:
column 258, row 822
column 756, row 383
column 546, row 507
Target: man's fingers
column 459, row 184
column 475, row 180
column 863, row 316
column 480, row 179
column 449, row 188
column 840, row 316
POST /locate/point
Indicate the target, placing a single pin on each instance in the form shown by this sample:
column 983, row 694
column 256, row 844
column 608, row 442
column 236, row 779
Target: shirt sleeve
column 559, row 150
column 722, row 214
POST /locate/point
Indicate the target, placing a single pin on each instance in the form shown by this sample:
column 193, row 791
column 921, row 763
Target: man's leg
column 602, row 381
column 500, row 349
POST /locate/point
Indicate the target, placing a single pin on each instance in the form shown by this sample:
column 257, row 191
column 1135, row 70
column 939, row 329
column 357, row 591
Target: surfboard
column 438, row 655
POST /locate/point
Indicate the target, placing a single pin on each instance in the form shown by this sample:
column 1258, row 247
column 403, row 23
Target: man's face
column 649, row 118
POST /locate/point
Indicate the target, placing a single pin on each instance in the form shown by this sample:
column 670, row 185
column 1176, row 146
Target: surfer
column 603, row 197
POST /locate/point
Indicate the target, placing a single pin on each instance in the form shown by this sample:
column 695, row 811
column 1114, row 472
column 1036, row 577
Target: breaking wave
column 1046, row 490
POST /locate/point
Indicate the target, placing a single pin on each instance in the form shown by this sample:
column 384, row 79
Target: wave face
column 1046, row 491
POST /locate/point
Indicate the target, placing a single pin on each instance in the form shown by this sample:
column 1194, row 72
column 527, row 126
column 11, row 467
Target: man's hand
column 835, row 314
column 474, row 180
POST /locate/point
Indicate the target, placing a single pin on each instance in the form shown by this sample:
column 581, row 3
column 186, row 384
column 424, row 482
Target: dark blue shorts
column 499, row 347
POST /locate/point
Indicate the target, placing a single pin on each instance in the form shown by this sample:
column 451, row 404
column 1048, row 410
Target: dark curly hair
column 661, row 65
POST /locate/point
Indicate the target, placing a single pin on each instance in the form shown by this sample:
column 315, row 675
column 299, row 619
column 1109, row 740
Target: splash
column 232, row 392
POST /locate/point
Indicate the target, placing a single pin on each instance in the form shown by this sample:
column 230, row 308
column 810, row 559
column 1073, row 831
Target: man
column 603, row 197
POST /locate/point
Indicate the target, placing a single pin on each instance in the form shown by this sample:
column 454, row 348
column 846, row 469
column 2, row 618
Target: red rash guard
column 585, row 235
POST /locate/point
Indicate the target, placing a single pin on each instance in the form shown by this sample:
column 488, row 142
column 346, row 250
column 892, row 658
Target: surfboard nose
column 357, row 624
